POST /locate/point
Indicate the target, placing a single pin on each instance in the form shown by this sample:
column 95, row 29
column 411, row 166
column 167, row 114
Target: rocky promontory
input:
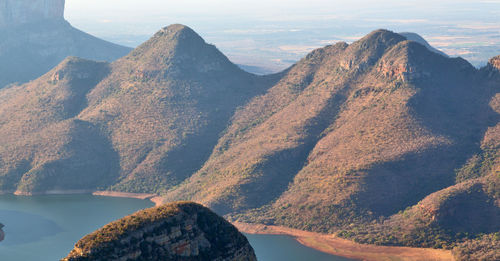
column 175, row 231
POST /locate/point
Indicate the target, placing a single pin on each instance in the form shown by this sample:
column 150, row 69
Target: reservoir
column 45, row 228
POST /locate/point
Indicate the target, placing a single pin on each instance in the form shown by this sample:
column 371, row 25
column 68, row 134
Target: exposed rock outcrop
column 2, row 234
column 493, row 66
column 14, row 12
column 176, row 231
column 495, row 62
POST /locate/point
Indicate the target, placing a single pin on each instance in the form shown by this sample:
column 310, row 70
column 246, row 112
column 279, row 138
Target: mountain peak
column 177, row 28
column 368, row 50
column 74, row 68
column 179, row 32
column 382, row 36
column 177, row 48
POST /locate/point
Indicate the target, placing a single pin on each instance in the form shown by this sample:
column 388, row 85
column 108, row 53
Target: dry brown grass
column 342, row 247
column 349, row 134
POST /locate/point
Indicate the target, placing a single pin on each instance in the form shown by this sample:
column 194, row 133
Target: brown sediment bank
column 124, row 194
column 157, row 200
column 145, row 196
column 341, row 247
column 53, row 192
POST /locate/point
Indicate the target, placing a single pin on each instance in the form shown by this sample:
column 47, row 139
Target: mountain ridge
column 351, row 135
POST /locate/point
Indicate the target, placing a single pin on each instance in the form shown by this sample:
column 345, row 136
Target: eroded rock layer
column 176, row 231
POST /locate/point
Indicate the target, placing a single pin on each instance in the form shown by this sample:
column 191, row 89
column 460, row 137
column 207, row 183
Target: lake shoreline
column 157, row 200
column 326, row 243
column 342, row 247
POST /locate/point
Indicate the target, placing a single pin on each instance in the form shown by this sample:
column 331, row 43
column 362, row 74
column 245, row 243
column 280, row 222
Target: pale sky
column 194, row 12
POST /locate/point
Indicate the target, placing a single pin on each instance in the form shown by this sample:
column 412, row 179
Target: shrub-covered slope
column 353, row 137
column 441, row 219
column 175, row 231
column 141, row 124
column 44, row 147
column 349, row 134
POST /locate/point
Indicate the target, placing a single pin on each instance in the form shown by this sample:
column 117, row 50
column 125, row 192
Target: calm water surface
column 46, row 228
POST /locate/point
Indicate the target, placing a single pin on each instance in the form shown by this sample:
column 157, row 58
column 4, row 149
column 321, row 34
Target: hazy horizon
column 273, row 34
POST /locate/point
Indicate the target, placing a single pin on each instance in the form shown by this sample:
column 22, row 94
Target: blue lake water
column 45, row 228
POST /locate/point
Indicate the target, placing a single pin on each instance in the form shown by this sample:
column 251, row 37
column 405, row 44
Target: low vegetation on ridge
column 382, row 141
column 174, row 231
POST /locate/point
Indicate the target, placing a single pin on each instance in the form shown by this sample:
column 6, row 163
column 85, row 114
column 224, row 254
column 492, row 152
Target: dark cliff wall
column 13, row 12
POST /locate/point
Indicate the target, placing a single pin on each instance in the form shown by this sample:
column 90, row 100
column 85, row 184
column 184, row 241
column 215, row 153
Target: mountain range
column 35, row 38
column 382, row 141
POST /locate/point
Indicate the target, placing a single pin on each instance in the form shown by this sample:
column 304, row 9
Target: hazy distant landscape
column 274, row 35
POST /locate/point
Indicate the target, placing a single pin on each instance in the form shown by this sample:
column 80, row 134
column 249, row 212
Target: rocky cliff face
column 2, row 234
column 494, row 66
column 176, row 231
column 34, row 38
column 13, row 12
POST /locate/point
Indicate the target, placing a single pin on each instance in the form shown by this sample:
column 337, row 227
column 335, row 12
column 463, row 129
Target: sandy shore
column 157, row 200
column 123, row 194
column 152, row 197
column 342, row 247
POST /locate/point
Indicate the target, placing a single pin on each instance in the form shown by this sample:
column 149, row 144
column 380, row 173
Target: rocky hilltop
column 34, row 38
column 15, row 12
column 176, row 231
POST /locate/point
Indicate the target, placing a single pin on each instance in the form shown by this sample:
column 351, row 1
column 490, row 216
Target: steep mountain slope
column 35, row 38
column 43, row 146
column 143, row 123
column 441, row 219
column 165, row 105
column 464, row 216
column 176, row 231
column 487, row 160
column 349, row 134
